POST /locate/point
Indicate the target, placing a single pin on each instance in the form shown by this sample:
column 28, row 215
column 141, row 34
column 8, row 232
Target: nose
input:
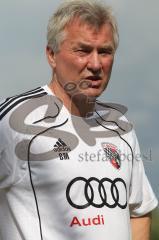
column 94, row 63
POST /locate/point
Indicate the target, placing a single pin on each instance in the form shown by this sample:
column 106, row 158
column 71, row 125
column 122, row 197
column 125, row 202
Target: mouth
column 94, row 81
column 94, row 78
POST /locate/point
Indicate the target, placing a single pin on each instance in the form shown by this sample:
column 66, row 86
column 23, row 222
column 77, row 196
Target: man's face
column 85, row 58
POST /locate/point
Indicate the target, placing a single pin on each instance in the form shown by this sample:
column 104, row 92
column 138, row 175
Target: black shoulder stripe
column 19, row 101
column 5, row 101
column 33, row 90
column 23, row 94
column 11, row 99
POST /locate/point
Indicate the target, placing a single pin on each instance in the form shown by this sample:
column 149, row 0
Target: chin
column 93, row 92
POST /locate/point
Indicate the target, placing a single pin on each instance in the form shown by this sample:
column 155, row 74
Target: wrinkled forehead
column 77, row 22
column 82, row 31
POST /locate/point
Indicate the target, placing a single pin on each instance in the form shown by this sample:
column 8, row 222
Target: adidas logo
column 60, row 146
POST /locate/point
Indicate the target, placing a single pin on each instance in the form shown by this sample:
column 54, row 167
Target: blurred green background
column 155, row 225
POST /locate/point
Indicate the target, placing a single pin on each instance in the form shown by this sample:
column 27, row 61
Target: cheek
column 107, row 65
column 73, row 63
column 79, row 63
column 81, row 60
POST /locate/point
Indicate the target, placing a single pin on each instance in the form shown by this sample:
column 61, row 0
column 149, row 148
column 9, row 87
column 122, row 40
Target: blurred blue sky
column 134, row 82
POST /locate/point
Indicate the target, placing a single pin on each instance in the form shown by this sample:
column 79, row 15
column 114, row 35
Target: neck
column 77, row 103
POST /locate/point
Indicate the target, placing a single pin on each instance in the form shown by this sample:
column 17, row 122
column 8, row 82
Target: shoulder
column 13, row 111
column 115, row 115
column 8, row 105
column 21, row 112
column 111, row 108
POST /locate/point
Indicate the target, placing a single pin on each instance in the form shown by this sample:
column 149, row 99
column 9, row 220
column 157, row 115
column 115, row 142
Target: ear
column 51, row 57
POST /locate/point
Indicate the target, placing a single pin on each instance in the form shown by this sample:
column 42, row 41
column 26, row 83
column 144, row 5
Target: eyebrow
column 88, row 46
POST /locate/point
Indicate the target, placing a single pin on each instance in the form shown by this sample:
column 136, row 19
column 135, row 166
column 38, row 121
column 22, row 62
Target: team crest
column 112, row 153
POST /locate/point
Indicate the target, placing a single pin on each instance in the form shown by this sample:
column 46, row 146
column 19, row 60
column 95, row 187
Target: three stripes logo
column 62, row 149
column 112, row 154
column 12, row 102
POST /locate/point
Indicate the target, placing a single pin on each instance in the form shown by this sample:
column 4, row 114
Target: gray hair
column 92, row 12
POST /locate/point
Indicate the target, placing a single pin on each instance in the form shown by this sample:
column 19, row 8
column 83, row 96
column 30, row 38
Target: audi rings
column 103, row 193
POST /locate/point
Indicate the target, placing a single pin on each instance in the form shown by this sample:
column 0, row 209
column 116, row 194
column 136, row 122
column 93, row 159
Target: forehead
column 78, row 31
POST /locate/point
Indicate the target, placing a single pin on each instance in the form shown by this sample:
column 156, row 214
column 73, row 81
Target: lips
column 94, row 78
column 95, row 81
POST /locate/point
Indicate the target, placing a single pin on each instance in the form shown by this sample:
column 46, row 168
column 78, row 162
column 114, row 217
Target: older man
column 70, row 166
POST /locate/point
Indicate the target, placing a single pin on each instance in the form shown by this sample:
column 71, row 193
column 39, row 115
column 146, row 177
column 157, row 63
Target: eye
column 84, row 50
column 106, row 51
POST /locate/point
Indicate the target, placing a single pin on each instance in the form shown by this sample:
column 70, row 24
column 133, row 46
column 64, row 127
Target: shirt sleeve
column 12, row 171
column 7, row 164
column 7, row 158
column 142, row 199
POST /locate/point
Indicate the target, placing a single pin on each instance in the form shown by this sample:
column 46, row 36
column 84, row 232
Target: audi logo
column 115, row 191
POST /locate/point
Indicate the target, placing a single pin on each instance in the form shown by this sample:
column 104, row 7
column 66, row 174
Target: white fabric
column 51, row 177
